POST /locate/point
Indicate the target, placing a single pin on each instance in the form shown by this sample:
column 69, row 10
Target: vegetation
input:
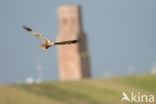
column 97, row 91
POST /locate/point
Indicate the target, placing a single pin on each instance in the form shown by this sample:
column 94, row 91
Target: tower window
column 64, row 20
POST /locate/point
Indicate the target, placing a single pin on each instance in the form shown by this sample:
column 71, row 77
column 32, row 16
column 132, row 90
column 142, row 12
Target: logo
column 137, row 97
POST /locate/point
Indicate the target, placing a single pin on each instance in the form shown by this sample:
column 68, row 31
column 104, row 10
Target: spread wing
column 36, row 34
column 66, row 42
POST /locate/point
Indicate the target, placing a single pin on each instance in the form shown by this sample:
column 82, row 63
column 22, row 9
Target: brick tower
column 73, row 59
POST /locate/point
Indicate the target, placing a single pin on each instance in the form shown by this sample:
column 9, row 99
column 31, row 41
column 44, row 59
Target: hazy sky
column 122, row 37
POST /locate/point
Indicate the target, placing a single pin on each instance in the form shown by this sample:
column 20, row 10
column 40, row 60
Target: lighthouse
column 74, row 59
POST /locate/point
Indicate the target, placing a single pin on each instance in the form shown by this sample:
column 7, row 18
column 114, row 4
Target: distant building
column 29, row 80
column 153, row 70
column 73, row 60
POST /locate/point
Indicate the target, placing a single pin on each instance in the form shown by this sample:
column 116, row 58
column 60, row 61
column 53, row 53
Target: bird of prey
column 46, row 43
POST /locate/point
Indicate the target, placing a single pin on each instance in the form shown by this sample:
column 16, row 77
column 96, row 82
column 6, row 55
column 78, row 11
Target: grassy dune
column 99, row 91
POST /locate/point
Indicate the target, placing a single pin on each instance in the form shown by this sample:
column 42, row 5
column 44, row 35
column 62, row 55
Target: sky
column 121, row 37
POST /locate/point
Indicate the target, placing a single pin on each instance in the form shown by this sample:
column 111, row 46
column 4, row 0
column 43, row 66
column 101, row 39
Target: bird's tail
column 43, row 47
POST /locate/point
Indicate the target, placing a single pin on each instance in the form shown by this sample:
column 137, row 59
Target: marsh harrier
column 46, row 43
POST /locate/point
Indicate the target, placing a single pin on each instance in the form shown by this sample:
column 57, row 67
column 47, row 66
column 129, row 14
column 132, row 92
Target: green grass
column 99, row 91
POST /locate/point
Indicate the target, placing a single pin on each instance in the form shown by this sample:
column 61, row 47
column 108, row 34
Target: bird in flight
column 46, row 43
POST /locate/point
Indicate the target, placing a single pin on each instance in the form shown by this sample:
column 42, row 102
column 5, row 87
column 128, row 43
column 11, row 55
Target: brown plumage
column 46, row 43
